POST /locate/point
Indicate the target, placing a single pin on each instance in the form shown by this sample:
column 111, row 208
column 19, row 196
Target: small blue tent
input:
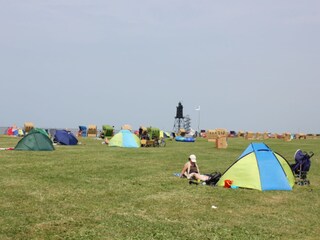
column 65, row 137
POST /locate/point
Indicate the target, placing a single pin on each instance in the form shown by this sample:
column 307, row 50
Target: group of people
column 191, row 170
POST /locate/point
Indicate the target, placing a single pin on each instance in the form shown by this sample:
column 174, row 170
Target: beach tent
column 125, row 138
column 65, row 137
column 9, row 131
column 164, row 134
column 92, row 131
column 107, row 130
column 153, row 132
column 36, row 140
column 258, row 167
column 52, row 132
column 82, row 131
column 126, row 127
column 20, row 132
column 12, row 131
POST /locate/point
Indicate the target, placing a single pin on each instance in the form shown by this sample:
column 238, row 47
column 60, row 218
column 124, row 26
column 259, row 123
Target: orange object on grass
column 228, row 183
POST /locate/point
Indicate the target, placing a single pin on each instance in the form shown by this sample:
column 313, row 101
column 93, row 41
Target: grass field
column 92, row 191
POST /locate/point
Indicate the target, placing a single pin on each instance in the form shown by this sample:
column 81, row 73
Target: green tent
column 36, row 140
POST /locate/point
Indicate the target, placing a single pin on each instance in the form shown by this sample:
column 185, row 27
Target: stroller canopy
column 258, row 167
column 302, row 160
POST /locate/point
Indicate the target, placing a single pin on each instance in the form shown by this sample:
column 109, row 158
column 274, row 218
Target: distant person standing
column 140, row 132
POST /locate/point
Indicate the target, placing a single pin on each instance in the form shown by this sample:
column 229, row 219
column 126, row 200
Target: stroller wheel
column 306, row 182
column 300, row 183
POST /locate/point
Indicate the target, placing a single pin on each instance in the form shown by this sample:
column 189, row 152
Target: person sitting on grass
column 190, row 167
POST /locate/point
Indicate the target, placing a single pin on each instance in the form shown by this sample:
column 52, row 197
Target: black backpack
column 213, row 178
column 212, row 181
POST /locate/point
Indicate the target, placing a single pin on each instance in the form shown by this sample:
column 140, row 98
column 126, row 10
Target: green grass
column 92, row 191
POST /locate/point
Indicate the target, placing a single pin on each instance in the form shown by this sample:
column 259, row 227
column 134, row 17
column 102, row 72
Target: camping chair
column 301, row 166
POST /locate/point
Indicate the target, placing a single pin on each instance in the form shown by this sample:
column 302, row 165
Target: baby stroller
column 301, row 166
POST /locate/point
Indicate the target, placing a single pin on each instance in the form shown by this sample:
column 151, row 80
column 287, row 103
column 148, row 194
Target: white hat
column 193, row 158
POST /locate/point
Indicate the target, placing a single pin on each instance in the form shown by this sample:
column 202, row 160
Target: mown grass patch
column 91, row 191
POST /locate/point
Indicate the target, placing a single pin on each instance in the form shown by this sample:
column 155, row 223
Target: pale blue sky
column 250, row 65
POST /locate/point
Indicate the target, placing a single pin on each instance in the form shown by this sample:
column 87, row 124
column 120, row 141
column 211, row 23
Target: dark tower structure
column 179, row 119
column 187, row 123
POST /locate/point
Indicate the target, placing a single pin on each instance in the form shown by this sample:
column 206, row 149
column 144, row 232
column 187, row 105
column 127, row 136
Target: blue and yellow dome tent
column 258, row 167
column 125, row 138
